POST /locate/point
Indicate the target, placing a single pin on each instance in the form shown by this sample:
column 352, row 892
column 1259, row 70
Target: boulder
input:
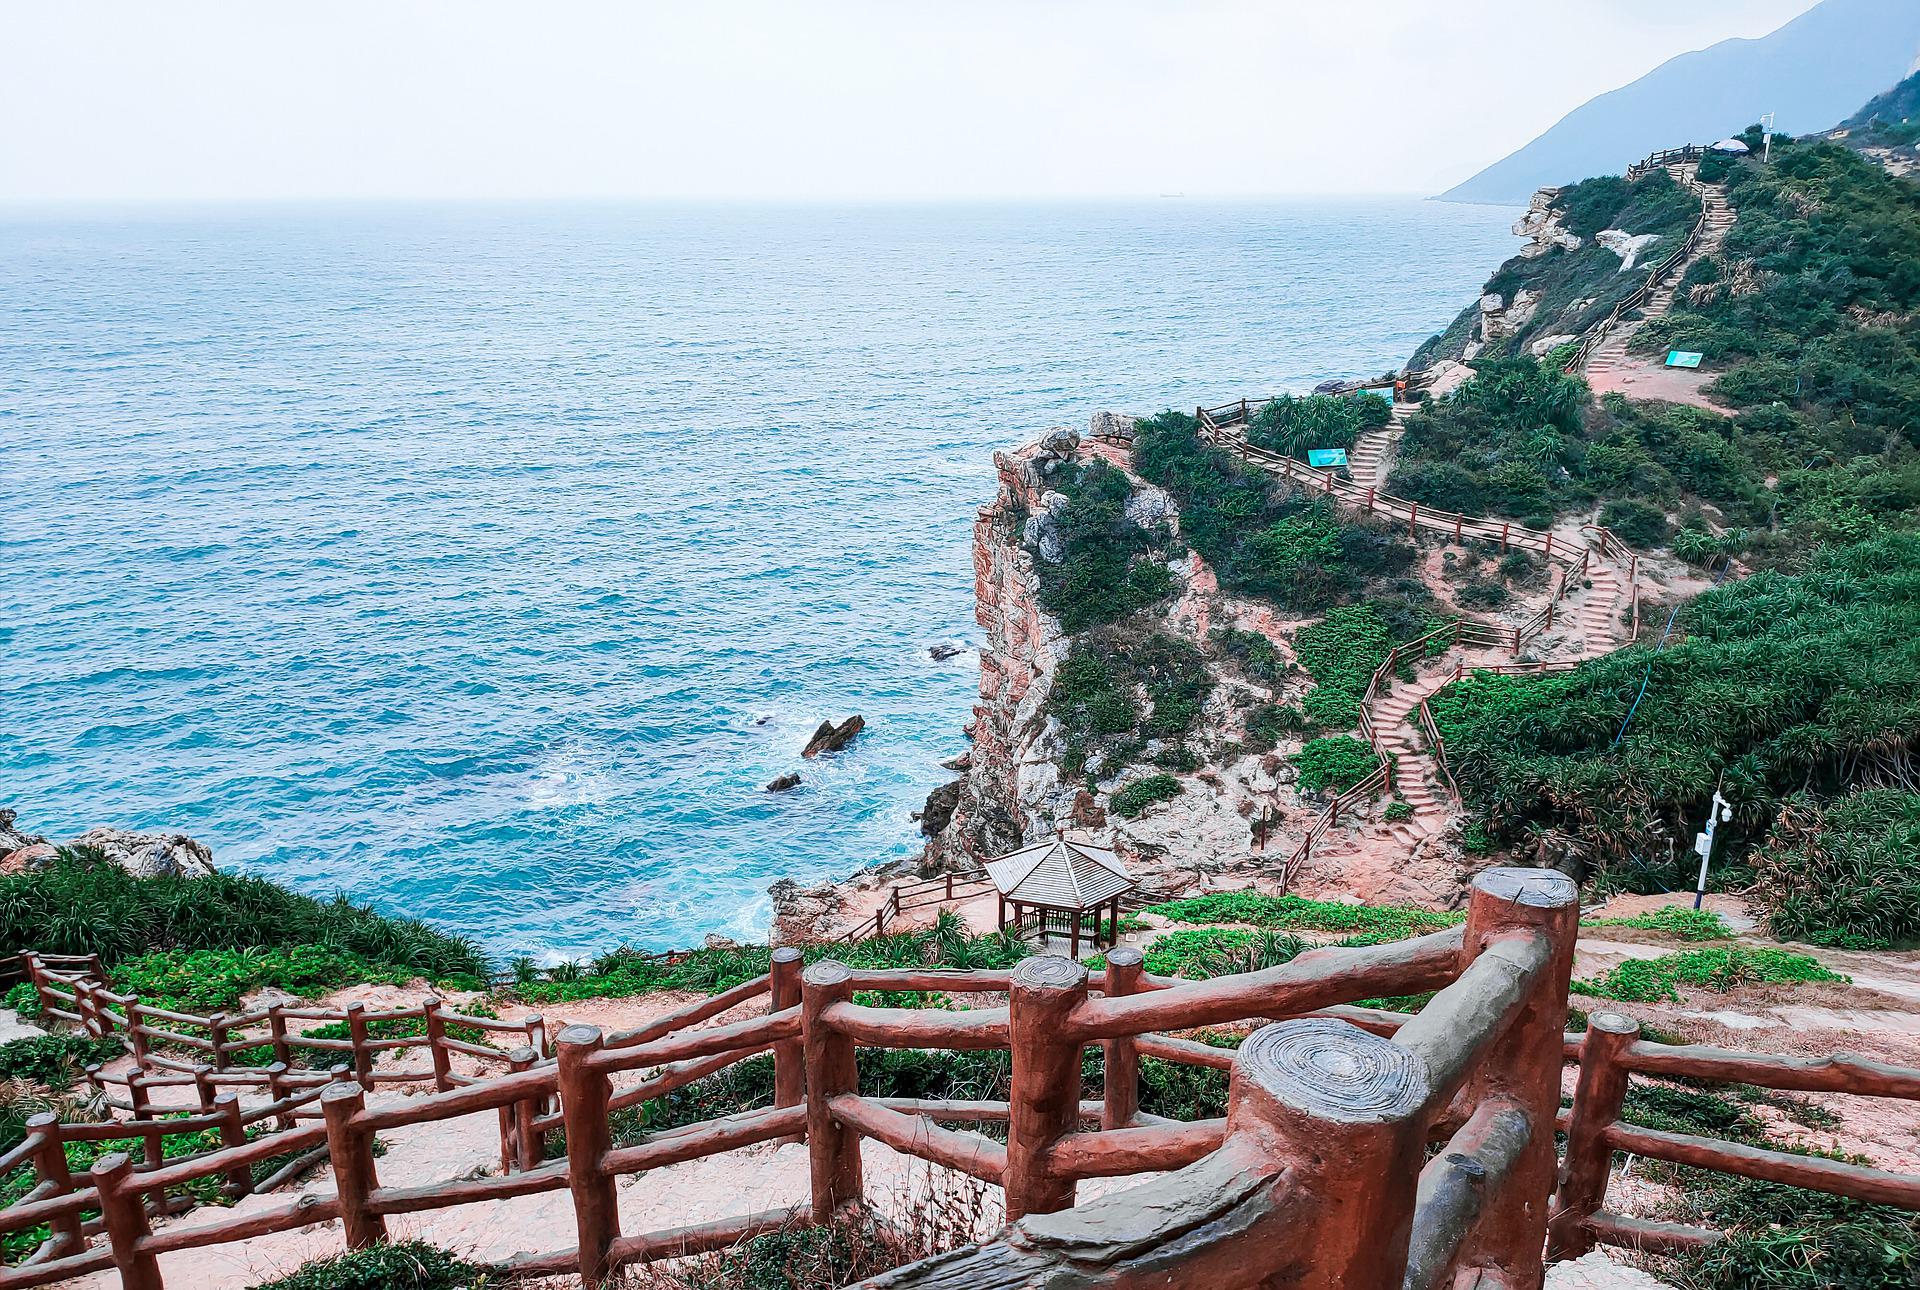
column 1060, row 442
column 1115, row 427
column 832, row 738
column 1087, row 812
column 150, row 855
column 781, row 783
column 804, row 914
column 1149, row 506
column 15, row 839
column 37, row 855
column 938, row 812
column 941, row 651
column 1627, row 246
column 1547, row 344
column 961, row 761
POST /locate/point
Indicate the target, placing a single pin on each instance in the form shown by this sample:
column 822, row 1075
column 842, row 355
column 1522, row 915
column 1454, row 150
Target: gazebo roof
column 1062, row 873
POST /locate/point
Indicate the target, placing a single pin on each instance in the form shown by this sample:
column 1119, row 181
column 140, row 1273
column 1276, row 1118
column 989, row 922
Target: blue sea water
column 484, row 562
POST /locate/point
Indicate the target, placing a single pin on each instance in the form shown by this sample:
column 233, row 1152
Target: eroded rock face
column 938, row 812
column 1628, row 246
column 803, row 914
column 1542, row 228
column 13, row 838
column 1114, row 427
column 150, row 855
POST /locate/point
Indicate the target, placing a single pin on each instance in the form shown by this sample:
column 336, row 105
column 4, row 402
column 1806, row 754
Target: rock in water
column 781, row 783
column 832, row 738
column 938, row 811
column 13, row 839
column 150, row 855
column 945, row 650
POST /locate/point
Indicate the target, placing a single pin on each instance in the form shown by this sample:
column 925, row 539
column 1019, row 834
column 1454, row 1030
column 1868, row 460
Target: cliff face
column 1011, row 774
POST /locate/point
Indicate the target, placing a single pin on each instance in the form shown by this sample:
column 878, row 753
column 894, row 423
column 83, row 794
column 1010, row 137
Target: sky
column 127, row 101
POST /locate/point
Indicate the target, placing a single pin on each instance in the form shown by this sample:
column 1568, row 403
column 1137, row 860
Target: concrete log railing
column 1611, row 1052
column 919, row 895
column 1317, row 1176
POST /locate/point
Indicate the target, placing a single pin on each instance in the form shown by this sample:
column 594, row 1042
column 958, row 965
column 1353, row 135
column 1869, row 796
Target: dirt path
column 1613, row 369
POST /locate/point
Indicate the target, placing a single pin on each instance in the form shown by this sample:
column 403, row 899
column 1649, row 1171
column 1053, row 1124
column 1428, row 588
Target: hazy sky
column 128, row 100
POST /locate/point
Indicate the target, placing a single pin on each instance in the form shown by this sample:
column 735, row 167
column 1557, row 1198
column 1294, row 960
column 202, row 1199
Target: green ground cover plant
column 1336, row 761
column 1341, row 653
column 209, row 981
column 54, row 1061
column 1678, row 921
column 1129, row 800
column 1381, row 922
column 1721, row 970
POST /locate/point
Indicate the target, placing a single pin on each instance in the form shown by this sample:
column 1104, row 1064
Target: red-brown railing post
column 351, row 1150
column 789, row 1055
column 1504, row 527
column 437, row 1045
column 126, row 1222
column 217, row 1033
column 1597, row 1098
column 1549, row 544
column 50, row 1166
column 1413, row 519
column 203, row 1089
column 233, row 1133
column 357, row 1036
column 833, row 1149
column 277, row 1089
column 1045, row 1099
column 584, row 1093
column 136, row 1036
column 277, row 1028
column 1525, row 1064
column 1121, row 1097
column 139, row 1099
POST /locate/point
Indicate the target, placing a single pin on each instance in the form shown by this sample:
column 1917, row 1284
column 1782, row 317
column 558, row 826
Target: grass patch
column 1674, row 920
column 1373, row 922
column 1131, row 799
column 1721, row 970
column 410, row 1265
column 1337, row 761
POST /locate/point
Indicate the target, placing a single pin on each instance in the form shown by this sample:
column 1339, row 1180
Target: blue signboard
column 1326, row 457
column 1683, row 358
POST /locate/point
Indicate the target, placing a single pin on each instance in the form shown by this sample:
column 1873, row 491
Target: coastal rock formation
column 781, row 783
column 1542, row 228
column 1627, row 246
column 16, row 842
column 802, row 915
column 1112, row 427
column 150, row 855
column 832, row 738
column 938, row 811
column 1499, row 318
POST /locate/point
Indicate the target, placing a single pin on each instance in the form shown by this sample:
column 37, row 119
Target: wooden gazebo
column 1052, row 886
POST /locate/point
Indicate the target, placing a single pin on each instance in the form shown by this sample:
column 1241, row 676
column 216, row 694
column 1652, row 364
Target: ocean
column 483, row 562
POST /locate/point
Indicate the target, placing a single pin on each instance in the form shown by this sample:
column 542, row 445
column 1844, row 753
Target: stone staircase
column 1371, row 458
column 1611, row 354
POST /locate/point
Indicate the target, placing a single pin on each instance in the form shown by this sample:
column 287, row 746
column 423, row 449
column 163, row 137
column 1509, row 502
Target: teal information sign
column 1683, row 358
column 1326, row 457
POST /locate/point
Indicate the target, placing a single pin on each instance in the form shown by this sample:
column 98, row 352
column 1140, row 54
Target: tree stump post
column 1121, row 1098
column 437, row 1045
column 141, row 1101
column 1525, row 1065
column 126, row 1222
column 277, row 1089
column 1597, row 1098
column 50, row 1166
column 789, row 1055
column 833, row 1149
column 1046, row 1080
column 529, row 1144
column 136, row 1033
column 217, row 1035
column 350, row 1149
column 584, row 1094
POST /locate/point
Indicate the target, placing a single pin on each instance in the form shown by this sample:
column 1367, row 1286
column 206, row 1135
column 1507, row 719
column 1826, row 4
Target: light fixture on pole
column 1766, row 138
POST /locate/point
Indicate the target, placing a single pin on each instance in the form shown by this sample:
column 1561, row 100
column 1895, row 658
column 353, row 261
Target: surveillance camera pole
column 1703, row 842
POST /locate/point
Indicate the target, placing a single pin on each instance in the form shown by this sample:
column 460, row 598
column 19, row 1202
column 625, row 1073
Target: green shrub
column 1131, row 799
column 1636, row 523
column 24, row 1001
column 1341, row 652
column 410, row 1265
column 1291, row 426
column 1269, row 721
column 1339, row 761
column 1397, row 811
column 1121, row 686
column 84, row 904
column 54, row 1061
column 1843, row 873
column 1654, row 980
column 209, row 981
column 1110, row 566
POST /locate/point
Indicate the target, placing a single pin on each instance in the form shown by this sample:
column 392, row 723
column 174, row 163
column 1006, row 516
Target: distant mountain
column 1812, row 72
